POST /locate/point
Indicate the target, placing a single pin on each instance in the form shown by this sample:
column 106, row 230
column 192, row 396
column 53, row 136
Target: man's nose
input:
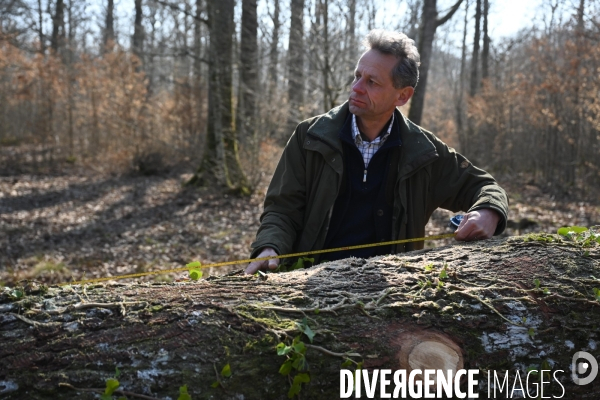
column 358, row 86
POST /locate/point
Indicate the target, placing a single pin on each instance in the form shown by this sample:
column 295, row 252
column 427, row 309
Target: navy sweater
column 362, row 212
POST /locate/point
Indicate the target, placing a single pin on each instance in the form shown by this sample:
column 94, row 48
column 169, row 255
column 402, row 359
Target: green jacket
column 307, row 180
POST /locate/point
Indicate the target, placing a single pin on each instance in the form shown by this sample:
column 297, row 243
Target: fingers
column 478, row 225
column 255, row 266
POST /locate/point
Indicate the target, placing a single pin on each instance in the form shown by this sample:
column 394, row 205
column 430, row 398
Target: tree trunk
column 58, row 25
column 138, row 31
column 497, row 305
column 274, row 52
column 296, row 64
column 475, row 56
column 429, row 24
column 460, row 107
column 220, row 163
column 246, row 114
column 109, row 30
column 485, row 53
column 41, row 35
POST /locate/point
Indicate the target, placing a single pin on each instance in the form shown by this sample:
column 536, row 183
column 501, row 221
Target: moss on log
column 498, row 305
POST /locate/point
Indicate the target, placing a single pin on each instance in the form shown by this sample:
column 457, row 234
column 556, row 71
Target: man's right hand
column 264, row 264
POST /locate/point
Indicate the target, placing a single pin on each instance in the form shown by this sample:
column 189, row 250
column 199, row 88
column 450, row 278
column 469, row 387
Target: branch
column 445, row 18
column 176, row 8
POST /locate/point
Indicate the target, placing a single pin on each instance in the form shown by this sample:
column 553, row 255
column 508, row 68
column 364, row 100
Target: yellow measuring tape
column 235, row 262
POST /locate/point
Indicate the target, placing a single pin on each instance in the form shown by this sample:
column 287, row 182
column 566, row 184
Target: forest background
column 139, row 135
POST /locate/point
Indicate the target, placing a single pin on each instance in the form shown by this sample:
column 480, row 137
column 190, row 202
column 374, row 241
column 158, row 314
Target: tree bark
column 274, row 52
column 496, row 305
column 220, row 163
column 109, row 30
column 296, row 64
column 138, row 31
column 246, row 123
column 473, row 89
column 429, row 24
column 485, row 53
column 58, row 26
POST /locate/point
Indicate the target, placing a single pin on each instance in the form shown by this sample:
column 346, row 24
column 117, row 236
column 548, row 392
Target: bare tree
column 109, row 30
column 246, row 114
column 138, row 31
column 58, row 25
column 296, row 63
column 220, row 163
column 274, row 51
column 473, row 88
column 429, row 24
column 485, row 53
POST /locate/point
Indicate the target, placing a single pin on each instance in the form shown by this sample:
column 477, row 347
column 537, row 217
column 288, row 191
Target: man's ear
column 404, row 95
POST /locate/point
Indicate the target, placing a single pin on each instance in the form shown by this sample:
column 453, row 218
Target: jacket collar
column 417, row 148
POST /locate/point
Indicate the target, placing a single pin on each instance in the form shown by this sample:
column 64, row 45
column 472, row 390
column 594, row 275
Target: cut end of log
column 429, row 350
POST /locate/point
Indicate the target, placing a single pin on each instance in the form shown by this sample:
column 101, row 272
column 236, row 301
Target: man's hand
column 264, row 264
column 478, row 225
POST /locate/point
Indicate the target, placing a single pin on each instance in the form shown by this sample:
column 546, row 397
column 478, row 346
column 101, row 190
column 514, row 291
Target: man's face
column 373, row 94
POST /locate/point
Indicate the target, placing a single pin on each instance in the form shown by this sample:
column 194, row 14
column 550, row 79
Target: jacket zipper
column 365, row 176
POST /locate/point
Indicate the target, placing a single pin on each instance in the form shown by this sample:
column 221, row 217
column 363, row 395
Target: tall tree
column 138, row 31
column 295, row 63
column 485, row 53
column 475, row 55
column 461, row 84
column 429, row 24
column 274, row 50
column 246, row 114
column 58, row 25
column 109, row 30
column 220, row 163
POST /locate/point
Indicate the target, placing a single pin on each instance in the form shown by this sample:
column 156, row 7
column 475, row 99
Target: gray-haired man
column 363, row 173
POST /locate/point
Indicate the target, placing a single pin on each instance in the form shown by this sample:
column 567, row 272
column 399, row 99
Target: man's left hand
column 478, row 225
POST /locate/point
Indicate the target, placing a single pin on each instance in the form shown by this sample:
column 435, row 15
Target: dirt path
column 53, row 228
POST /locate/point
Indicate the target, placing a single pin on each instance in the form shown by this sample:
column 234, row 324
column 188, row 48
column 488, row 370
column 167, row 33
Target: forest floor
column 80, row 224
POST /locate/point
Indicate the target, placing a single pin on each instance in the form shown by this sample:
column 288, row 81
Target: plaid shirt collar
column 378, row 140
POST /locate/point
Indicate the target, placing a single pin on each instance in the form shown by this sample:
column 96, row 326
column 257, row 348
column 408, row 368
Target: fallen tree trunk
column 499, row 306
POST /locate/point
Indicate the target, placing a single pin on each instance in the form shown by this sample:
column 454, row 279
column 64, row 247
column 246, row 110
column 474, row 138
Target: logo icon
column 588, row 367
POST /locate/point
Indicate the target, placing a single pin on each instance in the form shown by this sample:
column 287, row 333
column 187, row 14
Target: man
column 363, row 173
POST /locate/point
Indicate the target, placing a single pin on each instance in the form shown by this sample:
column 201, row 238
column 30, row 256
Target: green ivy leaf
column 347, row 363
column 195, row 264
column 282, row 349
column 597, row 294
column 286, row 367
column 226, row 371
column 111, row 385
column 297, row 384
column 536, row 282
column 299, row 347
column 304, row 328
column 294, row 390
column 183, row 393
column 302, row 378
column 429, row 267
column 531, row 332
column 546, row 291
column 215, row 384
column 317, row 311
column 106, row 397
column 443, row 273
column 532, row 369
column 570, row 230
column 195, row 274
column 117, row 372
column 300, row 363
